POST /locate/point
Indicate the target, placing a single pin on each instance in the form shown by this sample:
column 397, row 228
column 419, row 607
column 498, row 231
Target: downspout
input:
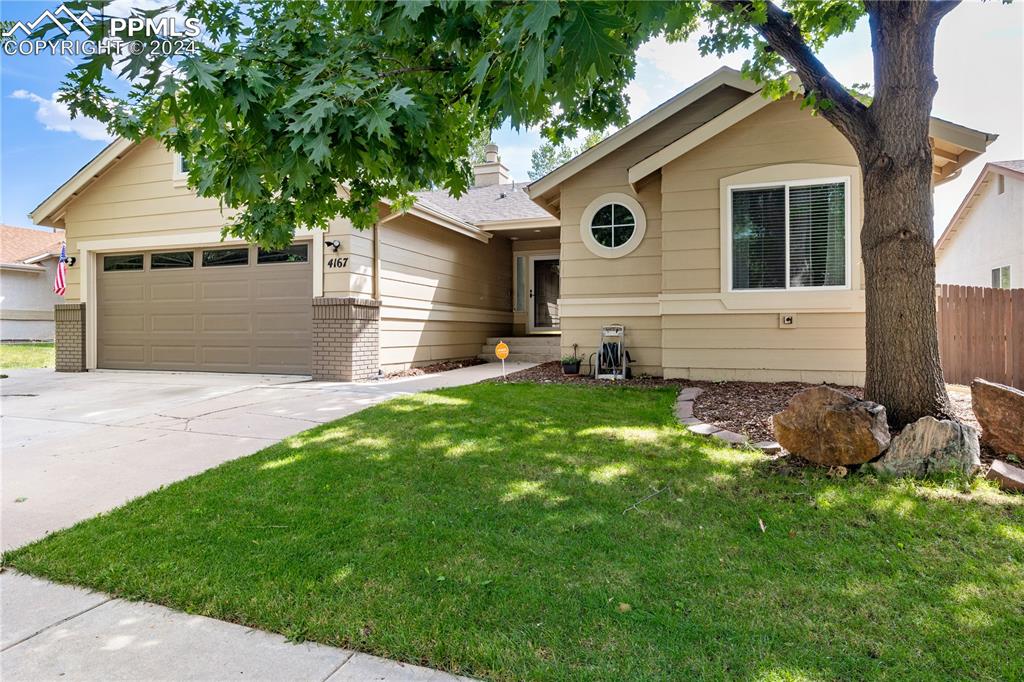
column 376, row 261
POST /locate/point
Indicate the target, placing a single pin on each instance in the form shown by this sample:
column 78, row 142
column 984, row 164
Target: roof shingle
column 21, row 243
column 490, row 202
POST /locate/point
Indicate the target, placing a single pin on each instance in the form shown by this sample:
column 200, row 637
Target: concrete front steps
column 524, row 348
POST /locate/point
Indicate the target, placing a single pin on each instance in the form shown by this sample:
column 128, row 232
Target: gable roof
column 21, row 244
column 50, row 211
column 461, row 215
column 723, row 76
column 486, row 204
column 955, row 145
column 1013, row 168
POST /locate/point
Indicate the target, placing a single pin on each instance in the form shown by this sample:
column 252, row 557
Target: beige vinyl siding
column 779, row 133
column 823, row 346
column 681, row 255
column 136, row 196
column 643, row 339
column 753, row 347
column 442, row 294
column 585, row 275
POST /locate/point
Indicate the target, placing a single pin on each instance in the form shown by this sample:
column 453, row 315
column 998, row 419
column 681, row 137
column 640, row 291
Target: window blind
column 815, row 223
column 817, row 235
column 759, row 238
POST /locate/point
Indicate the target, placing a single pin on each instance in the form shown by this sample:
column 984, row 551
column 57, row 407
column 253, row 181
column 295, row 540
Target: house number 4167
column 338, row 262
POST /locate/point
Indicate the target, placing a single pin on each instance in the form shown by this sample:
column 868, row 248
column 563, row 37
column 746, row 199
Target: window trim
column 847, row 182
column 1009, row 276
column 178, row 176
column 631, row 244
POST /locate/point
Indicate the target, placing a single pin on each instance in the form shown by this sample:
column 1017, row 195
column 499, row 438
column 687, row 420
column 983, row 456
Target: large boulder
column 831, row 428
column 1007, row 476
column 1000, row 411
column 931, row 446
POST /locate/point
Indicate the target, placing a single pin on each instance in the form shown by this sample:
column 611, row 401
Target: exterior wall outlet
column 787, row 320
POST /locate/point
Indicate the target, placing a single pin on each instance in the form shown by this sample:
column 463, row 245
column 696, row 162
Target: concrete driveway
column 76, row 445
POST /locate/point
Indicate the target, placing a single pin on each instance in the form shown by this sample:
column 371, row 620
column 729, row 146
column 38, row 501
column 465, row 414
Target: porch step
column 524, row 348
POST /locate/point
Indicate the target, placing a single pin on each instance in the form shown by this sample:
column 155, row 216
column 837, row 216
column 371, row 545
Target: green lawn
column 25, row 355
column 488, row 530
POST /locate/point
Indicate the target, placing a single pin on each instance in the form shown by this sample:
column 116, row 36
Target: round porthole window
column 613, row 225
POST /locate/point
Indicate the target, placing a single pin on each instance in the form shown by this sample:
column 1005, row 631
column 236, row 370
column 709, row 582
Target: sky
column 979, row 63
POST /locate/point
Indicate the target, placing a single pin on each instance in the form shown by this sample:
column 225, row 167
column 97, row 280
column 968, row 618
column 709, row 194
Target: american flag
column 59, row 282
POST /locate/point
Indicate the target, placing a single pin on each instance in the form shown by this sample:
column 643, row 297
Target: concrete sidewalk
column 54, row 632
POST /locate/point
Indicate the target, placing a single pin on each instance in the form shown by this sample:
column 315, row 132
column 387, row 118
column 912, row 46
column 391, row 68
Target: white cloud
column 56, row 116
column 639, row 100
column 683, row 62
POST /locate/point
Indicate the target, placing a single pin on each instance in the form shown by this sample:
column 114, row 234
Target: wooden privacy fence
column 981, row 334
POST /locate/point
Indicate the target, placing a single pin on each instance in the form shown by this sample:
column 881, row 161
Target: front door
column 544, row 286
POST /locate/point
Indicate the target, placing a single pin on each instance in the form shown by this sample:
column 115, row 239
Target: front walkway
column 76, row 445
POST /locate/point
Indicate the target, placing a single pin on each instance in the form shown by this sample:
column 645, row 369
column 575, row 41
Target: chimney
column 492, row 171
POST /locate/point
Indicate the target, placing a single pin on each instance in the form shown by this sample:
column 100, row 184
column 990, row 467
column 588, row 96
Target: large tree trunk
column 897, row 239
column 891, row 140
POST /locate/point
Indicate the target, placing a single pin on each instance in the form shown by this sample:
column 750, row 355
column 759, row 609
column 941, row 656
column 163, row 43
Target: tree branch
column 940, row 8
column 783, row 35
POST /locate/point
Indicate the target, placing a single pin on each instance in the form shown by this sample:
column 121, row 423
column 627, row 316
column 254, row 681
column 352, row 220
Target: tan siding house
column 721, row 230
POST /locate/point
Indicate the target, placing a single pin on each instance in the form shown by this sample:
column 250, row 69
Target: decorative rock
column 704, row 429
column 690, row 393
column 1007, row 476
column 1000, row 411
column 931, row 446
column 829, row 427
column 730, row 437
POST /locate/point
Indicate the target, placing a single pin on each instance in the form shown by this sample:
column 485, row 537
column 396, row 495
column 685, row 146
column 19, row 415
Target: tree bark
column 892, row 143
column 897, row 238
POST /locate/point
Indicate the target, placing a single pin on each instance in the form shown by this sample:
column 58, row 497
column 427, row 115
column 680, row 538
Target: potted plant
column 571, row 363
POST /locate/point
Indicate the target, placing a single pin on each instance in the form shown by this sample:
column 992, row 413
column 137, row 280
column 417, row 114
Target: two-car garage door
column 218, row 309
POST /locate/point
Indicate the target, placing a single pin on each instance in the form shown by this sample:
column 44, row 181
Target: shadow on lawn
column 491, row 530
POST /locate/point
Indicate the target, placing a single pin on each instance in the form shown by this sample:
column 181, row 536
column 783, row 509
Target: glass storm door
column 544, row 285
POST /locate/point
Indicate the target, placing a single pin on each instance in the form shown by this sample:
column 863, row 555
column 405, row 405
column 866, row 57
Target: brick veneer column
column 69, row 336
column 346, row 338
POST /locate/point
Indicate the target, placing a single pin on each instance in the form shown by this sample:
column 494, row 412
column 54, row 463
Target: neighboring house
column 675, row 226
column 983, row 245
column 28, row 263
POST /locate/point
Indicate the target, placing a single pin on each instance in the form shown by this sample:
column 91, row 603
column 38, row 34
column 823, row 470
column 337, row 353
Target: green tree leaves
column 286, row 101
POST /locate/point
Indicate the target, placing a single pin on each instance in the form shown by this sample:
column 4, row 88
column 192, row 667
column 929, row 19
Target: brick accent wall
column 346, row 338
column 69, row 336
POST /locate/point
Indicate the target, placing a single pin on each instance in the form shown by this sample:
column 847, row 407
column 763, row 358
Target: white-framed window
column 1001, row 277
column 613, row 225
column 1000, row 184
column 180, row 168
column 789, row 235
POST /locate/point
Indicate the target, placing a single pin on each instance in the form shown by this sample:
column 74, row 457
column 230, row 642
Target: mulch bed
column 551, row 373
column 744, row 407
column 433, row 369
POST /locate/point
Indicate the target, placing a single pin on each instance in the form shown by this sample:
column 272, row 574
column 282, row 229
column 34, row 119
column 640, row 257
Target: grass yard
column 25, row 355
column 495, row 531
